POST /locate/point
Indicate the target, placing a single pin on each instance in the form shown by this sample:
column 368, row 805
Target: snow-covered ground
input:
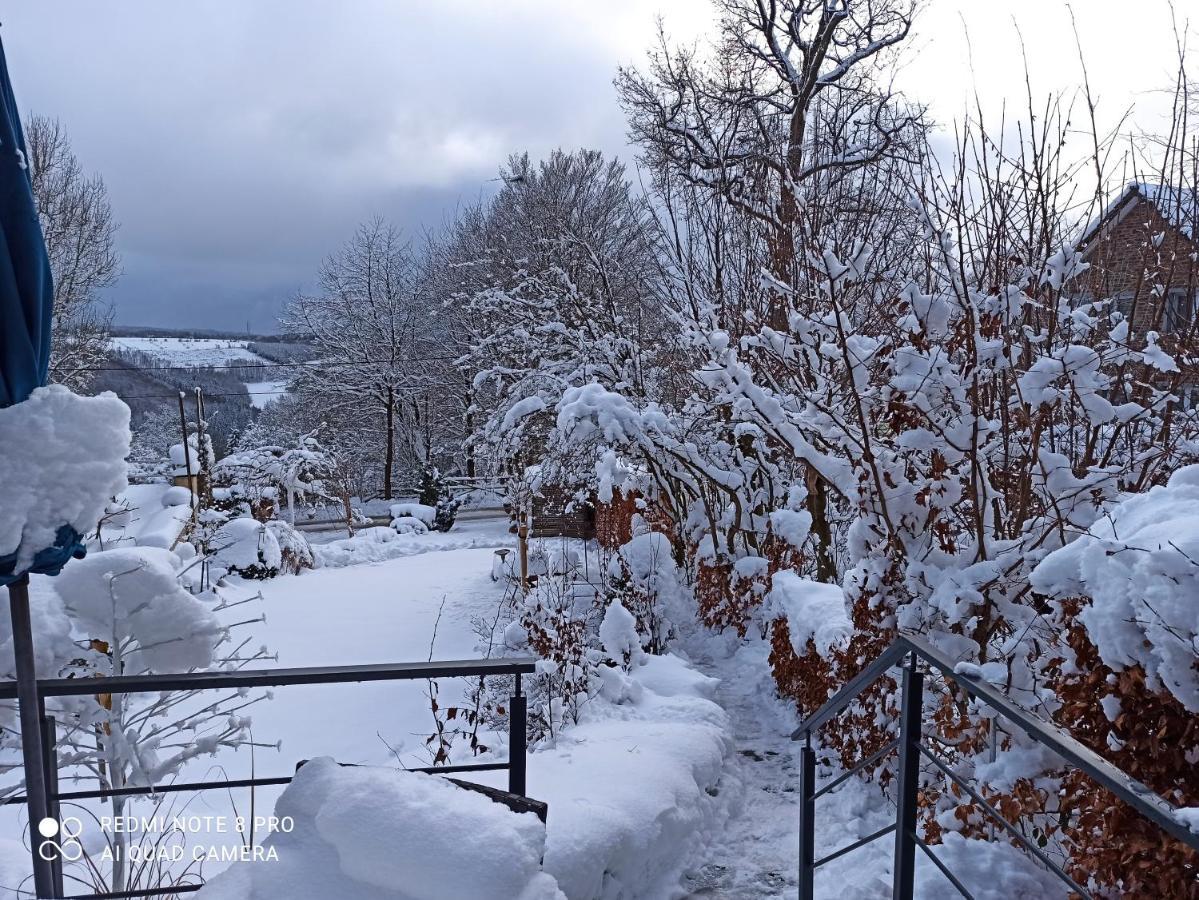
column 191, row 352
column 200, row 352
column 633, row 790
column 757, row 854
column 264, row 392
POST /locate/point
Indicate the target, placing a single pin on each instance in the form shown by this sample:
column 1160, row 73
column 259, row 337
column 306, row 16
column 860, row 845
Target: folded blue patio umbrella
column 26, row 301
column 26, row 289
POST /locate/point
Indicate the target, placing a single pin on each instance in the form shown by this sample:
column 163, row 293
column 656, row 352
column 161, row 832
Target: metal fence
column 910, row 652
column 50, row 871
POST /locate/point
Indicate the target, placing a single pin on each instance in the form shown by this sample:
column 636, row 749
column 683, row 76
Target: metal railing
column 252, row 678
column 912, row 747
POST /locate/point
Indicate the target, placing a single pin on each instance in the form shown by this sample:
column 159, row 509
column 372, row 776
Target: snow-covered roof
column 1178, row 206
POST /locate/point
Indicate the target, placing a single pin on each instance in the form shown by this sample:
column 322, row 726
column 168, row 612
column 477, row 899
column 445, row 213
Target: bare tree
column 370, row 323
column 80, row 234
column 793, row 105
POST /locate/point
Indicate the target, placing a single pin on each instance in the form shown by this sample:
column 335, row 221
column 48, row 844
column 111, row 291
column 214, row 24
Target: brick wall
column 1125, row 261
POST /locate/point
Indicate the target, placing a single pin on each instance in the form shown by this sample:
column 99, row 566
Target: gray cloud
column 241, row 142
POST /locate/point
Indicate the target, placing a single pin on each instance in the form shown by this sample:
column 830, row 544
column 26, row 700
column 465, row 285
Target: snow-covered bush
column 130, row 615
column 246, row 547
column 267, row 476
column 562, row 630
column 295, row 553
column 420, row 511
column 642, row 576
column 1138, row 567
column 439, row 517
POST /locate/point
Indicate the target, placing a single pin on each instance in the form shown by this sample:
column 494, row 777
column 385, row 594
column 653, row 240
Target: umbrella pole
column 31, row 730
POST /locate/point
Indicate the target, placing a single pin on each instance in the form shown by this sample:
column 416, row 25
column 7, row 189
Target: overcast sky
column 242, row 140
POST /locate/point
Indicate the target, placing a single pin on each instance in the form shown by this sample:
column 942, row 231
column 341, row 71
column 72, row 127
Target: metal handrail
column 247, row 678
column 1129, row 790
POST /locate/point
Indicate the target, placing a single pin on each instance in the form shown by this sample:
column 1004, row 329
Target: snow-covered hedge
column 419, row 511
column 1139, row 565
column 814, row 611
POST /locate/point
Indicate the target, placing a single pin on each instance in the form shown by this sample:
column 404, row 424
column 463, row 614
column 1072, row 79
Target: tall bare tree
column 80, row 234
column 369, row 322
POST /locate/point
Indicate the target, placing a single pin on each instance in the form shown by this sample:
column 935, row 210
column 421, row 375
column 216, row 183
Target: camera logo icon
column 60, row 840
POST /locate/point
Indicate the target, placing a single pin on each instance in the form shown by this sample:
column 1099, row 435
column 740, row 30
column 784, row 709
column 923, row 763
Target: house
column 1143, row 253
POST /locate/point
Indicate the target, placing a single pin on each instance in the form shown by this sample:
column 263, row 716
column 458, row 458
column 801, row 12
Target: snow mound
column 1140, row 567
column 375, row 545
column 426, row 514
column 635, row 787
column 63, row 459
column 409, row 525
column 384, row 834
column 815, row 612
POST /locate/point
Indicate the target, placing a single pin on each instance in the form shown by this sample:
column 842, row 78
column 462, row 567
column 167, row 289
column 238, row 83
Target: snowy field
column 201, row 352
column 191, row 352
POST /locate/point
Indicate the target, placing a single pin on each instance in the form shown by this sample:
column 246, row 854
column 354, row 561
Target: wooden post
column 523, row 532
column 203, row 478
column 187, row 455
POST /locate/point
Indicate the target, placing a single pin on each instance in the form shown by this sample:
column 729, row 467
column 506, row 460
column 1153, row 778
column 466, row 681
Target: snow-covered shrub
column 266, row 476
column 619, row 635
column 553, row 558
column 130, row 615
column 295, row 553
column 643, row 577
column 1138, row 566
column 447, row 513
column 246, row 547
column 562, row 631
column 419, row 511
column 409, row 525
column 1124, row 677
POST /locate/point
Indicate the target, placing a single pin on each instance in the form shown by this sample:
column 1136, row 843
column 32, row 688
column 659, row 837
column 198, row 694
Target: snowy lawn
column 633, row 791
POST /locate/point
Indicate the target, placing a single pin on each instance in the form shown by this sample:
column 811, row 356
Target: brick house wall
column 1146, row 263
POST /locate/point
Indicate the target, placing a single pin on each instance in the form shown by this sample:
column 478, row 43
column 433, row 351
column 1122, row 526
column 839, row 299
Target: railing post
column 28, row 704
column 53, row 807
column 807, row 820
column 911, row 711
column 518, row 713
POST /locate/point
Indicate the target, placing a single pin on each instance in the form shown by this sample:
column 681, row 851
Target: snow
column 618, row 633
column 63, row 460
column 190, row 352
column 376, row 545
column 245, row 543
column 152, row 515
column 755, row 855
column 263, row 393
column 419, row 511
column 815, row 612
column 372, row 833
column 133, row 595
column 634, row 787
column 1138, row 564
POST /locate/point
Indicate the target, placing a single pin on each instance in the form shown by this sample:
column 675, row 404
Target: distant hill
column 147, row 331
